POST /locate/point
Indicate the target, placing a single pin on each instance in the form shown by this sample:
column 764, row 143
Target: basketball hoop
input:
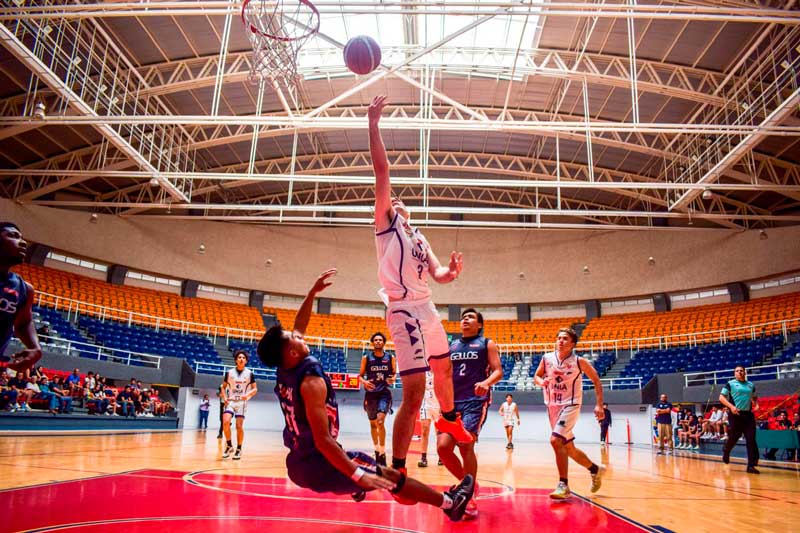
column 277, row 31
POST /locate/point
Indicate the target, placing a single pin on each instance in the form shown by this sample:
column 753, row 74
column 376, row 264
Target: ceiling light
column 18, row 2
column 201, row 249
column 154, row 182
column 745, row 106
column 47, row 29
column 651, row 260
column 586, row 269
column 39, row 110
column 76, row 61
column 268, row 263
column 103, row 88
column 762, row 234
column 93, row 218
column 521, row 275
column 786, row 65
column 707, row 194
column 114, row 100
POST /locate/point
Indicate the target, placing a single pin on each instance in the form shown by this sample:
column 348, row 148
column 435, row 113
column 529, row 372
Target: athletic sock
column 424, row 457
column 450, row 416
column 230, row 444
column 594, row 469
column 238, row 446
column 447, row 502
column 397, row 464
column 563, row 480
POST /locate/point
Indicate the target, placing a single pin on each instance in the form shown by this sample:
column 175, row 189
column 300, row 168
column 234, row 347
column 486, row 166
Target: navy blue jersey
column 13, row 298
column 378, row 371
column 470, row 365
column 297, row 435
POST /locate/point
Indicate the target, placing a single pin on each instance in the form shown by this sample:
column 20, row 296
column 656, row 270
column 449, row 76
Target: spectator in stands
column 739, row 395
column 42, row 392
column 779, row 424
column 205, row 407
column 133, row 384
column 710, row 423
column 90, row 382
column 16, row 301
column 95, row 401
column 20, row 384
column 111, row 396
column 44, row 329
column 724, row 423
column 664, row 421
column 63, row 394
column 693, row 433
column 73, row 382
column 147, row 403
column 125, row 401
column 37, row 372
column 136, row 396
column 8, row 394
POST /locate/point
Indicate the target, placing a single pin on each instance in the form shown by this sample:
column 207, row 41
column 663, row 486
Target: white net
column 277, row 30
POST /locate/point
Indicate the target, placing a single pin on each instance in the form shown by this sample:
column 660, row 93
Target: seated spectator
column 125, row 401
column 44, row 329
column 37, row 372
column 20, row 384
column 723, row 423
column 95, row 401
column 63, row 394
column 147, row 404
column 711, row 424
column 8, row 394
column 42, row 392
column 111, row 396
column 73, row 382
column 89, row 382
column 694, row 432
column 133, row 384
column 780, row 423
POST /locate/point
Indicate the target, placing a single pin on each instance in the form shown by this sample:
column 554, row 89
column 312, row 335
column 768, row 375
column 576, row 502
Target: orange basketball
column 362, row 54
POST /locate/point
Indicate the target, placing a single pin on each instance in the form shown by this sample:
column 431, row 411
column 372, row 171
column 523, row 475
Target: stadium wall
column 552, row 261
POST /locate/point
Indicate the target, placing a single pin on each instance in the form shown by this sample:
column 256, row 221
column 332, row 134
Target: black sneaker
column 237, row 454
column 423, row 463
column 382, row 459
column 439, row 462
column 359, row 496
column 752, row 470
column 461, row 494
column 726, row 457
column 219, row 435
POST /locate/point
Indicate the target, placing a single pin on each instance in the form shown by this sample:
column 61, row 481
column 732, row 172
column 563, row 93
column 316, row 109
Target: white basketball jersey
column 430, row 400
column 565, row 377
column 402, row 261
column 507, row 411
column 239, row 383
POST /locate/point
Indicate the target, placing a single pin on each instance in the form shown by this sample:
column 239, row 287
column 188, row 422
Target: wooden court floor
column 177, row 479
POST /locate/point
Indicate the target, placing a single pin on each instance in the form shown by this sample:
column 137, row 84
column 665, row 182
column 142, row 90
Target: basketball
column 362, row 54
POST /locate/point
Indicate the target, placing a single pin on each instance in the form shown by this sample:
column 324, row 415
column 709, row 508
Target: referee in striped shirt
column 739, row 395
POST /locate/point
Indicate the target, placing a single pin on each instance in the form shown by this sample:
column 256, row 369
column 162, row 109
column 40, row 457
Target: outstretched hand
column 324, row 281
column 25, row 359
column 372, row 482
column 376, row 108
column 456, row 263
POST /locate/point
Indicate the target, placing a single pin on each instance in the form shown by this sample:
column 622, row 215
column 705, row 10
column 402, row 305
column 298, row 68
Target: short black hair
column 270, row 347
column 4, row 225
column 472, row 310
column 239, row 352
column 509, row 396
column 378, row 334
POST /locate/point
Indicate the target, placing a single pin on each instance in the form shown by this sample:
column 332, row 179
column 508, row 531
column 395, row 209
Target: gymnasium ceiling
column 502, row 114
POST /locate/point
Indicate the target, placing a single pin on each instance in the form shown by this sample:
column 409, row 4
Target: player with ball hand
column 560, row 375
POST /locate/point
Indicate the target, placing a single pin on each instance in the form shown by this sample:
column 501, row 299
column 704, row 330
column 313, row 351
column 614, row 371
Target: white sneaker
column 597, row 479
column 561, row 493
column 696, row 448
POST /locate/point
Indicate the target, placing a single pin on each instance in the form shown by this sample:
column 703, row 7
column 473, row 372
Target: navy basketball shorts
column 473, row 414
column 314, row 472
column 379, row 402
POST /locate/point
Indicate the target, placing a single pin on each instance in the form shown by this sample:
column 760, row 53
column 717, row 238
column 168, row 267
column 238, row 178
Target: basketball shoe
column 461, row 495
column 597, row 479
column 237, row 454
column 455, row 428
column 228, row 451
column 471, row 513
column 561, row 493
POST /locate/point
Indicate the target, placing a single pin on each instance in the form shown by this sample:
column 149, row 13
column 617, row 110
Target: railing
column 781, row 371
column 750, row 331
column 82, row 349
column 339, row 380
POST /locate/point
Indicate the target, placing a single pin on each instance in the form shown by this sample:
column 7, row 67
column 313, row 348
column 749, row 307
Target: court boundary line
column 611, row 511
column 61, row 481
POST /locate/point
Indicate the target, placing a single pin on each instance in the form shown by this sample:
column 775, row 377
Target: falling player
column 510, row 415
column 405, row 260
column 476, row 367
column 238, row 387
column 377, row 375
column 315, row 460
column 559, row 374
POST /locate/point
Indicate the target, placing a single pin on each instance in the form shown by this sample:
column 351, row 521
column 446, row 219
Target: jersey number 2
column 463, row 370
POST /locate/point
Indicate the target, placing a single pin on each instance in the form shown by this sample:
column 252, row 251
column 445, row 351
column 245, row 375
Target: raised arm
column 384, row 213
column 304, row 313
column 25, row 330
